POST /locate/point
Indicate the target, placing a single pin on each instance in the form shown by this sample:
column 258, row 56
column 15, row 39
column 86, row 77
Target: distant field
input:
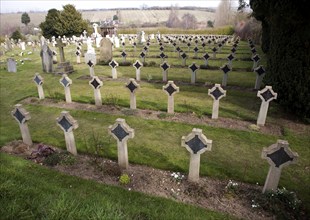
column 127, row 16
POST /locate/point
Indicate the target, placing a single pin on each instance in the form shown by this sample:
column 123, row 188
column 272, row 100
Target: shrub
column 124, row 179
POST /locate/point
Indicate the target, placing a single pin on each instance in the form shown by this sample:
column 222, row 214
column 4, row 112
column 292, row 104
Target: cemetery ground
column 29, row 190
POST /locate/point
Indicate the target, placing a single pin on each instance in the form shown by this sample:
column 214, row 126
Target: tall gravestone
column 196, row 143
column 22, row 116
column 121, row 132
column 105, row 50
column 47, row 58
column 278, row 155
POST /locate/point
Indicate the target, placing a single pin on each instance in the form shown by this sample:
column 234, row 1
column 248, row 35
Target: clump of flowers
column 231, row 186
column 177, row 176
column 254, row 204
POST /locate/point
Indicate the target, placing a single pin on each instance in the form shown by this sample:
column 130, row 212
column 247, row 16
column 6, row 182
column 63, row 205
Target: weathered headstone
column 217, row 92
column 121, row 132
column 165, row 66
column 193, row 69
column 96, row 83
column 47, row 59
column 260, row 73
column 196, row 143
column 105, row 50
column 266, row 95
column 113, row 64
column 171, row 89
column 226, row 69
column 66, row 82
column 11, row 65
column 39, row 82
column 278, row 155
column 137, row 65
column 22, row 116
column 67, row 123
column 132, row 86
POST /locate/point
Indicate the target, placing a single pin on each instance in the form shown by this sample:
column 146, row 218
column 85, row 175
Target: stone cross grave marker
column 132, row 86
column 161, row 48
column 196, row 143
column 142, row 55
column 196, row 51
column 162, row 55
column 124, row 55
column 66, row 82
column 134, row 46
column 39, row 82
column 67, row 123
column 184, row 58
column 11, row 65
column 105, row 50
column 145, row 49
column 226, row 69
column 230, row 58
column 113, row 64
column 96, row 83
column 54, row 56
column 170, row 89
column 260, row 73
column 188, row 47
column 253, row 50
column 255, row 59
column 233, row 50
column 165, row 66
column 179, row 51
column 90, row 60
column 206, row 57
column 22, row 116
column 203, row 47
column 278, row 155
column 61, row 46
column 137, row 65
column 121, row 132
column 193, row 69
column 123, row 45
column 266, row 95
column 217, row 92
column 78, row 56
column 214, row 52
column 47, row 59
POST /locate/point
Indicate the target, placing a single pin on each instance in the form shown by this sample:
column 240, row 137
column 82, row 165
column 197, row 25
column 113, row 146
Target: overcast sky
column 8, row 6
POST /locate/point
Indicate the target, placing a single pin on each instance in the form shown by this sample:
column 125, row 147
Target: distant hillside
column 129, row 16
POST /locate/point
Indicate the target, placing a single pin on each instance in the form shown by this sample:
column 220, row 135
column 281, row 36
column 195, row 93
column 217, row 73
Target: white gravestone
column 78, row 56
column 137, row 65
column 193, row 68
column 196, row 143
column 11, row 65
column 278, row 155
column 113, row 64
column 132, row 86
column 66, row 82
column 121, row 132
column 206, row 57
column 96, row 83
column 165, row 66
column 116, row 42
column 266, row 95
column 67, row 123
column 260, row 73
column 39, row 82
column 22, row 116
column 217, row 92
column 170, row 89
column 90, row 60
column 226, row 69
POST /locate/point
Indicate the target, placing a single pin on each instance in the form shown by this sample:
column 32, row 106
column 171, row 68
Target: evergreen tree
column 16, row 35
column 25, row 18
column 48, row 26
column 286, row 40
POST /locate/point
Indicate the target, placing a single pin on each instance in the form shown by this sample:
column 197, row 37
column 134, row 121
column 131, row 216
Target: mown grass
column 30, row 191
column 235, row 154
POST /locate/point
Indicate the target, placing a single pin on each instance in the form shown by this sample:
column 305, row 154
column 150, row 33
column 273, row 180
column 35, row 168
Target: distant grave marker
column 39, row 82
column 132, row 86
column 266, row 95
column 22, row 116
column 96, row 83
column 171, row 89
column 217, row 92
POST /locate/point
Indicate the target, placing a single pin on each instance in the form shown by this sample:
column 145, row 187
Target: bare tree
column 223, row 15
column 173, row 20
column 189, row 21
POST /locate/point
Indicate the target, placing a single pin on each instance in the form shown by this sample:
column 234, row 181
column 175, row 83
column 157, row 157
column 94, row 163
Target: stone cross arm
column 196, row 142
column 121, row 130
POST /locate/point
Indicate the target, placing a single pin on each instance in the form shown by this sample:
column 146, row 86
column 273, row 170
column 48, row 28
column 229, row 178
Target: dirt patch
column 207, row 193
column 189, row 118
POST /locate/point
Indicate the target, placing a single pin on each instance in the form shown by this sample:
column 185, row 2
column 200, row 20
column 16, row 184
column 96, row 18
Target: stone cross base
column 64, row 68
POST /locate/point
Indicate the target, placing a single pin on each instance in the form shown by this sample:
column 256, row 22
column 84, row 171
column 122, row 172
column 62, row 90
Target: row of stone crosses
column 217, row 92
column 277, row 155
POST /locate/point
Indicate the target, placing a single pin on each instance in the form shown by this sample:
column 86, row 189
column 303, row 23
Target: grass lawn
column 235, row 154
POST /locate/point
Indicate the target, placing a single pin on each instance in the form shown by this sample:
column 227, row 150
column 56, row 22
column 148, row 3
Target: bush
column 124, row 179
column 16, row 35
